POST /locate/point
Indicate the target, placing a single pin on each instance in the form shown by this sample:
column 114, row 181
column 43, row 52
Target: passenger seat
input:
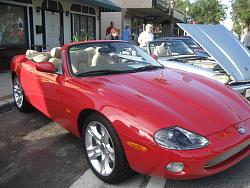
column 56, row 57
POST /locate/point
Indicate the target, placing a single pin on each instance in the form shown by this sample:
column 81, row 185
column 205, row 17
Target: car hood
column 186, row 67
column 175, row 98
column 227, row 50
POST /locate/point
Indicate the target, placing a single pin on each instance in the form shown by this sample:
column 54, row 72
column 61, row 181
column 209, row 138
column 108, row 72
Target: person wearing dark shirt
column 108, row 30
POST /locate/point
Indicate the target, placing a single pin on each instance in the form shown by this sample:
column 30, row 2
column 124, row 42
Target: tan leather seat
column 91, row 53
column 161, row 51
column 41, row 57
column 56, row 55
column 82, row 61
column 101, row 58
column 30, row 54
column 73, row 61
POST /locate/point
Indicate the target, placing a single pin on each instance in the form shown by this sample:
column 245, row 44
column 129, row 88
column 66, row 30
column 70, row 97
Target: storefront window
column 84, row 25
column 13, row 25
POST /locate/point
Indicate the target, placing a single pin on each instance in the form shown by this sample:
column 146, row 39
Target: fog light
column 175, row 167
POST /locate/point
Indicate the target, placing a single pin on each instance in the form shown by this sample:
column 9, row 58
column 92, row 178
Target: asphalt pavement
column 37, row 152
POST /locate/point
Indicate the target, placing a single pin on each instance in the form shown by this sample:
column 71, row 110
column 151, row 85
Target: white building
column 137, row 13
column 43, row 24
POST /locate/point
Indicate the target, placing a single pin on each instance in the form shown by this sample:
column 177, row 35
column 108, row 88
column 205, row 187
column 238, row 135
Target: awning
column 103, row 3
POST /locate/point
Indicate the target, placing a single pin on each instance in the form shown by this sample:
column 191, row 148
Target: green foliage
column 240, row 14
column 207, row 11
column 83, row 37
column 181, row 5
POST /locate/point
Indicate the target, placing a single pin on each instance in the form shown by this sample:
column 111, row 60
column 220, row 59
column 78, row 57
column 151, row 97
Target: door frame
column 59, row 8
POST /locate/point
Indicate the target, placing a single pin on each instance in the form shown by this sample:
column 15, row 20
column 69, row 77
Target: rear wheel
column 19, row 97
column 104, row 151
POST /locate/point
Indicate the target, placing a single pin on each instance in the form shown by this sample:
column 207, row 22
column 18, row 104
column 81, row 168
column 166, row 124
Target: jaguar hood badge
column 241, row 130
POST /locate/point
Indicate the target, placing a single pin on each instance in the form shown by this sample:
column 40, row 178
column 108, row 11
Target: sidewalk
column 6, row 98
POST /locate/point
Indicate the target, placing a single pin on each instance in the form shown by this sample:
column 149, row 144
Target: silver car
column 229, row 62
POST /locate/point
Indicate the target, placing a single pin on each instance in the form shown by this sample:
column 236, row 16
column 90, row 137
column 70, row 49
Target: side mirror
column 46, row 67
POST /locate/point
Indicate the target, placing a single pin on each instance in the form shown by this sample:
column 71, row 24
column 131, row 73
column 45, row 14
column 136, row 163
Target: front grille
column 227, row 155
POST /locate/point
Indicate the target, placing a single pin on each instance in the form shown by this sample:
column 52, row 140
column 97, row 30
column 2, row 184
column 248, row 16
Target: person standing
column 126, row 33
column 146, row 36
column 108, row 31
column 246, row 38
column 112, row 33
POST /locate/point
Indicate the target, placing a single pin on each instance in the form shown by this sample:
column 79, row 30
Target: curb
column 6, row 105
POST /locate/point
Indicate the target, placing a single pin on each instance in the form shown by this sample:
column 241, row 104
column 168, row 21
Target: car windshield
column 103, row 58
column 190, row 42
column 169, row 48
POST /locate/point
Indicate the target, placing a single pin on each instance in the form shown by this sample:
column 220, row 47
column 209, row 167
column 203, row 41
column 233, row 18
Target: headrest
column 82, row 56
column 105, row 50
column 56, row 52
column 90, row 50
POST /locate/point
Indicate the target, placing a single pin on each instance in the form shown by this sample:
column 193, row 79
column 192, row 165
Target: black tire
column 22, row 105
column 121, row 170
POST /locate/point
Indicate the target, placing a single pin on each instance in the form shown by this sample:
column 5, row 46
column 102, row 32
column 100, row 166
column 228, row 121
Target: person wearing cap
column 146, row 35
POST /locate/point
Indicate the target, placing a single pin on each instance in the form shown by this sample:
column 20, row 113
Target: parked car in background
column 132, row 113
column 194, row 46
column 229, row 62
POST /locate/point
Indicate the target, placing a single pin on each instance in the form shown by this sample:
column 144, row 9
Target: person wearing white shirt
column 246, row 38
column 146, row 36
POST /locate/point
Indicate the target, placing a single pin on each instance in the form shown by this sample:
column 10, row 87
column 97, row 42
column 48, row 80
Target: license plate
column 247, row 93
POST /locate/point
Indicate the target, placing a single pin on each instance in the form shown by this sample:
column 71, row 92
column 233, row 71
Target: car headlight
column 177, row 138
column 221, row 78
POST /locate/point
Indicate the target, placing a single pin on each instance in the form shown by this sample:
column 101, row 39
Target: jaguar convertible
column 132, row 113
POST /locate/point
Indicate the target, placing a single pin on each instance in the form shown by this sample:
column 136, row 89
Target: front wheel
column 19, row 97
column 104, row 151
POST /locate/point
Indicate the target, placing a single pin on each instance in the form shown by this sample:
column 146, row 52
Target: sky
column 228, row 21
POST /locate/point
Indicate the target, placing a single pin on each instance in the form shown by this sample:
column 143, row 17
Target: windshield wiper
column 149, row 67
column 102, row 72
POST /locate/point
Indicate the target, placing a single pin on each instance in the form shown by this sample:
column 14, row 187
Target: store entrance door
column 52, row 22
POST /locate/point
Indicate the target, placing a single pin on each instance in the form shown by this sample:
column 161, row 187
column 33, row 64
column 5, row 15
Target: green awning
column 103, row 3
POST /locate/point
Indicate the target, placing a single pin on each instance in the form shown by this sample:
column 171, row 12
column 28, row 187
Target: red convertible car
column 131, row 113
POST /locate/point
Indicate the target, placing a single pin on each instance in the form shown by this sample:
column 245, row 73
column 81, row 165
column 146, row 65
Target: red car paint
column 138, row 105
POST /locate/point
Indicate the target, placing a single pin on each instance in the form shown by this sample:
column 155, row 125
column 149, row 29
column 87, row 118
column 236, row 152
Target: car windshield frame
column 113, row 49
column 152, row 53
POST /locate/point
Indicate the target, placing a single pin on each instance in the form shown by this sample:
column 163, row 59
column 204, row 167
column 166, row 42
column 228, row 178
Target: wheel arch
column 83, row 116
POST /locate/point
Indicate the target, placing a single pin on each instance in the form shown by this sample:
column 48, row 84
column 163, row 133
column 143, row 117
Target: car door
column 25, row 71
column 44, row 92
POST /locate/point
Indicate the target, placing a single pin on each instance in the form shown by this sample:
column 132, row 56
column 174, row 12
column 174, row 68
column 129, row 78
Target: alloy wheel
column 18, row 93
column 100, row 148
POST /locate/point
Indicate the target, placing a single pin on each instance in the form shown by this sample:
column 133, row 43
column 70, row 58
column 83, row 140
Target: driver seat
column 161, row 51
column 101, row 58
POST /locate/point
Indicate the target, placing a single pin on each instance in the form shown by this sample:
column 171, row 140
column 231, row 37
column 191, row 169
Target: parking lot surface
column 36, row 152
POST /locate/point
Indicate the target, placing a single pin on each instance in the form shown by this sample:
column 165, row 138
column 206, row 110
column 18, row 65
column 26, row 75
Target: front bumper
column 226, row 148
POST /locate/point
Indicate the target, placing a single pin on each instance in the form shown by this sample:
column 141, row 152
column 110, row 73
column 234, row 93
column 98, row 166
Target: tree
column 240, row 14
column 207, row 11
column 181, row 5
